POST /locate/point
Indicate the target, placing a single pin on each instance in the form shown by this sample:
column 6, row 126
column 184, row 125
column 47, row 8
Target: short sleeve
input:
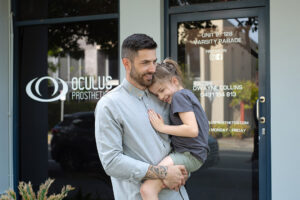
column 181, row 102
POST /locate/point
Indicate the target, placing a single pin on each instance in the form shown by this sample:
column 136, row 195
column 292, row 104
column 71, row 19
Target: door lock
column 262, row 99
column 262, row 120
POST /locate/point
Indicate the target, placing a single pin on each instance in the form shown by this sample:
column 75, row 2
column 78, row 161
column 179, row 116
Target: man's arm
column 108, row 133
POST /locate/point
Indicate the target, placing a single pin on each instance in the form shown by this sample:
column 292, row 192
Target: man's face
column 143, row 67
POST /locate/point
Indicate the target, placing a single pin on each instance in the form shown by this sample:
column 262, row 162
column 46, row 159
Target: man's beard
column 138, row 78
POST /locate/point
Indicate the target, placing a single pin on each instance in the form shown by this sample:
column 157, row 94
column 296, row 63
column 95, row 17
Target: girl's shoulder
column 183, row 95
column 184, row 92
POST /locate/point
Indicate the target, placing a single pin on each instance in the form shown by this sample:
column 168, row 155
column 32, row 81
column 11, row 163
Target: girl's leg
column 150, row 188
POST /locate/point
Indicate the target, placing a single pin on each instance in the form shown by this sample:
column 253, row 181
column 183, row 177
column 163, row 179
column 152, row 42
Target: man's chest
column 138, row 135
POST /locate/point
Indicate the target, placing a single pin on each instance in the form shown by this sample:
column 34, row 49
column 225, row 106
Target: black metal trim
column 268, row 135
column 119, row 44
column 264, row 90
column 166, row 28
column 216, row 6
column 13, row 6
column 214, row 15
column 66, row 20
column 16, row 79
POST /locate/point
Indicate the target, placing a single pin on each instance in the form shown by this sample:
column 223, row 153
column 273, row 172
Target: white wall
column 5, row 96
column 285, row 99
column 142, row 16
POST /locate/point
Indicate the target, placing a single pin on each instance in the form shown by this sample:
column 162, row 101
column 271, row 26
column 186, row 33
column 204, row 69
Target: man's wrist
column 156, row 172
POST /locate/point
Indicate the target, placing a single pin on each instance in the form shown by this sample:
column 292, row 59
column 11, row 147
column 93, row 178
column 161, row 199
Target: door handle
column 261, row 99
column 257, row 109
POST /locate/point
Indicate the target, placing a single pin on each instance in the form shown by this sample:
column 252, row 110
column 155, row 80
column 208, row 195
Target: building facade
column 238, row 57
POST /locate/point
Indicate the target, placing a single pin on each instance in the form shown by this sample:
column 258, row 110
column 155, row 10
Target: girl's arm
column 189, row 128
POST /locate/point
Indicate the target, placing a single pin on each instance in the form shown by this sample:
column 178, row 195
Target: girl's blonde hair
column 166, row 70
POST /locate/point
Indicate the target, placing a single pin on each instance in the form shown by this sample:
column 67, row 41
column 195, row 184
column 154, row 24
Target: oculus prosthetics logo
column 35, row 83
column 82, row 88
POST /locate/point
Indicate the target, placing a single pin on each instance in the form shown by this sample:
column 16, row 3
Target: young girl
column 189, row 129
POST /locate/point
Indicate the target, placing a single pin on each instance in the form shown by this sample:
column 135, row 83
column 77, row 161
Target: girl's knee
column 145, row 190
column 150, row 189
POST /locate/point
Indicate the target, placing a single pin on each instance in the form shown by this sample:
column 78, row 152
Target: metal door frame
column 264, row 76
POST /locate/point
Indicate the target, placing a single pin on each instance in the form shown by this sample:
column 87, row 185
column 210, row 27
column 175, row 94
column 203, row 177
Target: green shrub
column 27, row 193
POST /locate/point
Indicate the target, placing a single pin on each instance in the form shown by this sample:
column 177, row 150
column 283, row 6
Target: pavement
column 234, row 177
column 230, row 143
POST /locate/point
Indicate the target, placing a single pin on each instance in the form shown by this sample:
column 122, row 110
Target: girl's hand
column 156, row 120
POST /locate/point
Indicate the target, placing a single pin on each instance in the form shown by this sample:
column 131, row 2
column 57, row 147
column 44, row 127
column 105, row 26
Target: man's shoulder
column 111, row 98
column 113, row 94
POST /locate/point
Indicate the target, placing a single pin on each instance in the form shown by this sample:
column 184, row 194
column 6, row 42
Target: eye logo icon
column 37, row 89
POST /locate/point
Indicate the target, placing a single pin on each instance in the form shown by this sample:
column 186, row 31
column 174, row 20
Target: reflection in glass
column 85, row 57
column 190, row 2
column 31, row 9
column 219, row 59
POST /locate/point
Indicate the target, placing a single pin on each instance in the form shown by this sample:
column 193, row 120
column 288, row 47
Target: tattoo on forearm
column 157, row 172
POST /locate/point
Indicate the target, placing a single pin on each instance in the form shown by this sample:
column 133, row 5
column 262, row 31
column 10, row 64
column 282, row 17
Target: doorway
column 222, row 56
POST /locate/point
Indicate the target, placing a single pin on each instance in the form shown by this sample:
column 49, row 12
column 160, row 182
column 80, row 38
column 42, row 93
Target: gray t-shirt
column 185, row 101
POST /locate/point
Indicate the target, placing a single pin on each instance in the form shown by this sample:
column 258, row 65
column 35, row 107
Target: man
column 129, row 148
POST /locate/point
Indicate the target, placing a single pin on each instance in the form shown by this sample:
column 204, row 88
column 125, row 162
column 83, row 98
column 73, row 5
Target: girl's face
column 165, row 89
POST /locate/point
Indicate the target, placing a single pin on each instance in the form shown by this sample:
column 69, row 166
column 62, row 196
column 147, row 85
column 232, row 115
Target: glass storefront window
column 30, row 9
column 64, row 70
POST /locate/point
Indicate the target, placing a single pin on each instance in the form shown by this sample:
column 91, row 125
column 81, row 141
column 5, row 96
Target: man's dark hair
column 133, row 43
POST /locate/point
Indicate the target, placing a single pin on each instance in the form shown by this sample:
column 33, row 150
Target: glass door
column 222, row 57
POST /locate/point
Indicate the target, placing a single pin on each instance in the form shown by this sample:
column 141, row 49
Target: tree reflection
column 63, row 38
column 190, row 2
column 193, row 30
column 190, row 31
column 67, row 8
column 245, row 27
column 33, row 9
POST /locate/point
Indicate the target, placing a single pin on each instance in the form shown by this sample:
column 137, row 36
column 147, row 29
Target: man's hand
column 175, row 177
column 186, row 177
